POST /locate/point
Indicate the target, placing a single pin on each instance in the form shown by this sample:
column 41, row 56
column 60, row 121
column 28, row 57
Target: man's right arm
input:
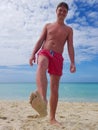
column 38, row 45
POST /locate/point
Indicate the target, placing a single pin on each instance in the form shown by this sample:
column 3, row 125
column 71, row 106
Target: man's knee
column 43, row 62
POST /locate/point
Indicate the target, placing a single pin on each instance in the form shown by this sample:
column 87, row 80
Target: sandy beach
column 18, row 115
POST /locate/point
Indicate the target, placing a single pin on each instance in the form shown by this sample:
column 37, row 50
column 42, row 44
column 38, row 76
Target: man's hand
column 32, row 59
column 72, row 68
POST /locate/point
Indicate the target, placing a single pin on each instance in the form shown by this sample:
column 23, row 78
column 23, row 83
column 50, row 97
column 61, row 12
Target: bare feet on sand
column 38, row 104
column 55, row 122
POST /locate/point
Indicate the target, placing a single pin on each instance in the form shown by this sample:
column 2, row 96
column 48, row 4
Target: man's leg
column 41, row 78
column 54, row 86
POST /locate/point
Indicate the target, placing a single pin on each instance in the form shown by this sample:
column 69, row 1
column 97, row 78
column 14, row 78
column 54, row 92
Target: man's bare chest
column 57, row 33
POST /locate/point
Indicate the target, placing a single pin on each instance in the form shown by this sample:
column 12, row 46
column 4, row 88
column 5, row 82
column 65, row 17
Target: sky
column 21, row 23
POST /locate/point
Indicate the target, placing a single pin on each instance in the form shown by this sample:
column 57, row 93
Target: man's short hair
column 63, row 4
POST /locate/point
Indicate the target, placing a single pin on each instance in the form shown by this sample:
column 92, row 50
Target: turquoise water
column 86, row 92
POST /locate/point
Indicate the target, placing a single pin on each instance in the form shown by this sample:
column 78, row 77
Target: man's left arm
column 71, row 51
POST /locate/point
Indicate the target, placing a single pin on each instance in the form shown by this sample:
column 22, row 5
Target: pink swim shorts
column 55, row 61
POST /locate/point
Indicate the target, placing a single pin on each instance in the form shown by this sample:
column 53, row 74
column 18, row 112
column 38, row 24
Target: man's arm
column 71, row 50
column 38, row 44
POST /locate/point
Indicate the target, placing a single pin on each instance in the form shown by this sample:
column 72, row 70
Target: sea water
column 73, row 92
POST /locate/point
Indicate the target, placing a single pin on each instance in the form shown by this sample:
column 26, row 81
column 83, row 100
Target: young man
column 50, row 47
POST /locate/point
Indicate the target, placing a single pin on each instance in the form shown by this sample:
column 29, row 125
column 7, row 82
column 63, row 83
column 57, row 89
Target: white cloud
column 85, row 39
column 93, row 14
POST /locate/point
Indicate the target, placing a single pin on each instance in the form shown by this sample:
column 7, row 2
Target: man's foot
column 38, row 104
column 55, row 122
column 32, row 96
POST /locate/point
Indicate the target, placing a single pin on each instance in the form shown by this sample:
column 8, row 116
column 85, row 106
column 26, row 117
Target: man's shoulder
column 69, row 27
column 47, row 24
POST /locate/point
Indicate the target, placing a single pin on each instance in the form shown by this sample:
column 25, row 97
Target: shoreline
column 19, row 115
column 60, row 101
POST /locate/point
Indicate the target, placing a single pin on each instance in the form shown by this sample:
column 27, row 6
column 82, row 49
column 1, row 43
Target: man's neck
column 60, row 22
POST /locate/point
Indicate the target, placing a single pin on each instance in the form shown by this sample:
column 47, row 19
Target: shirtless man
column 50, row 47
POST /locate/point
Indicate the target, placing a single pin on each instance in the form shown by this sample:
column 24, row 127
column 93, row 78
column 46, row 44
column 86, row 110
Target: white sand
column 18, row 115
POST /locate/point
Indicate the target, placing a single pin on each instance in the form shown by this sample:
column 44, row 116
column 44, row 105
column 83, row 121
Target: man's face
column 61, row 12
